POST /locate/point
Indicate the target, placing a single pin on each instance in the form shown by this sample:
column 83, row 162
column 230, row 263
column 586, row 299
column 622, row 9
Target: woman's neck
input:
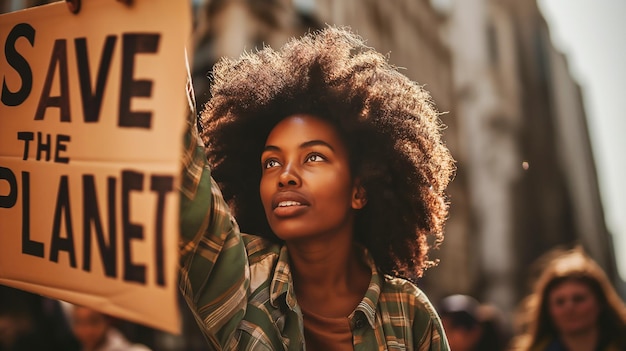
column 329, row 276
column 582, row 341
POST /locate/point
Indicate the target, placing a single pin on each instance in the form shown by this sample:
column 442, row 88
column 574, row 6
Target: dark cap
column 461, row 310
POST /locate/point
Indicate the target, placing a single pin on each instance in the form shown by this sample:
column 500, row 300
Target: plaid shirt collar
column 282, row 291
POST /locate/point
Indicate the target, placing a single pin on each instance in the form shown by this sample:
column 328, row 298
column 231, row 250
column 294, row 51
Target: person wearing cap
column 472, row 326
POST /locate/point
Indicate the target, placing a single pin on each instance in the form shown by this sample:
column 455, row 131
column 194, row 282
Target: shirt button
column 359, row 323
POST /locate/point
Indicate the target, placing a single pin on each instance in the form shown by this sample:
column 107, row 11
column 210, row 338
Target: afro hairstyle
column 388, row 122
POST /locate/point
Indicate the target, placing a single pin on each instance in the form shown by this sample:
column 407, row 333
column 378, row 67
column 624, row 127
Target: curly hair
column 388, row 123
column 557, row 267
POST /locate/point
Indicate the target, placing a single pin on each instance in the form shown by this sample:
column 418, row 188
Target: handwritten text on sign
column 91, row 118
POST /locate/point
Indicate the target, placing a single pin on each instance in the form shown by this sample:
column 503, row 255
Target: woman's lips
column 289, row 203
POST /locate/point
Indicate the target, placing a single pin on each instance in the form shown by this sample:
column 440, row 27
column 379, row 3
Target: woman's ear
column 359, row 196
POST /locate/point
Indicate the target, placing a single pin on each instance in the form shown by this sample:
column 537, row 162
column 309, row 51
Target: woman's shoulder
column 138, row 347
column 402, row 286
column 258, row 247
column 116, row 341
column 413, row 309
column 406, row 292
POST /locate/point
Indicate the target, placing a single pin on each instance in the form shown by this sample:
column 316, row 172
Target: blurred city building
column 531, row 178
column 526, row 179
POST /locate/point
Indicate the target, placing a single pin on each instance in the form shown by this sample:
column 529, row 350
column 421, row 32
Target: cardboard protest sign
column 92, row 114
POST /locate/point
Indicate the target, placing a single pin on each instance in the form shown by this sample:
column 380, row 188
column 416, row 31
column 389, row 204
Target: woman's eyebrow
column 304, row 145
column 316, row 143
column 271, row 148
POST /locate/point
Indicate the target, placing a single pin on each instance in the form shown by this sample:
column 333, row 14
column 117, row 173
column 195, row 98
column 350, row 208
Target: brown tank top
column 323, row 333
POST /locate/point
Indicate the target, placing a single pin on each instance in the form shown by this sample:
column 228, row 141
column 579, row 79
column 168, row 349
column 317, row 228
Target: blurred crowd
column 30, row 322
column 572, row 307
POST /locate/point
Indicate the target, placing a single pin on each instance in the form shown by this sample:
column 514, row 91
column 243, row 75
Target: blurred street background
column 531, row 92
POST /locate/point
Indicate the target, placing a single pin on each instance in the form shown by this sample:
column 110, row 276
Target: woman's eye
column 271, row 163
column 578, row 298
column 314, row 158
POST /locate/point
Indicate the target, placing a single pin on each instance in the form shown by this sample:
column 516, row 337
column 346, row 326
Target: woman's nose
column 288, row 177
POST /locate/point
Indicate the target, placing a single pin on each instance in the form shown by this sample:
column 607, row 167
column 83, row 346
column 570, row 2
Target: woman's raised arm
column 214, row 275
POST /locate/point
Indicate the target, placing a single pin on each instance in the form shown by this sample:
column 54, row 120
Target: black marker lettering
column 59, row 58
column 63, row 207
column 19, row 63
column 134, row 44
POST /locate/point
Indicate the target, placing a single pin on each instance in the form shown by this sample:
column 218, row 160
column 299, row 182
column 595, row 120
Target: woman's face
column 90, row 327
column 573, row 307
column 306, row 186
column 461, row 338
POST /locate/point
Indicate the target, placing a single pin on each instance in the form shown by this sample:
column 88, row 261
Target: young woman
column 573, row 307
column 96, row 332
column 332, row 161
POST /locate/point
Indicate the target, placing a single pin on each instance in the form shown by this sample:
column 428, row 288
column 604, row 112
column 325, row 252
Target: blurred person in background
column 96, row 332
column 573, row 307
column 30, row 322
column 471, row 326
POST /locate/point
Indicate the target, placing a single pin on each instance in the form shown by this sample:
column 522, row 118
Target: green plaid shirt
column 240, row 287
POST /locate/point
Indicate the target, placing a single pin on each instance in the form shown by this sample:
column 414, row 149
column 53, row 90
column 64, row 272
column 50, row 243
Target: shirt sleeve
column 432, row 337
column 214, row 273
